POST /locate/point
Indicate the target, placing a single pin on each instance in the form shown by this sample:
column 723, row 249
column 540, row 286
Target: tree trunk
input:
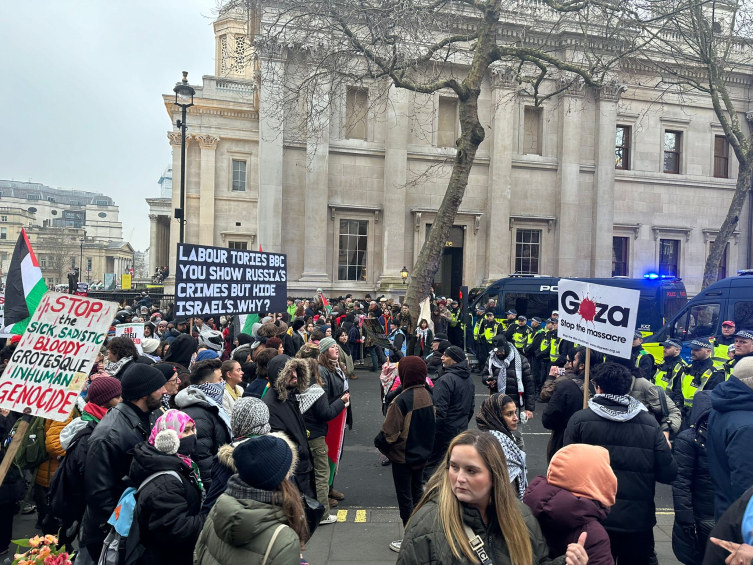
column 472, row 134
column 742, row 189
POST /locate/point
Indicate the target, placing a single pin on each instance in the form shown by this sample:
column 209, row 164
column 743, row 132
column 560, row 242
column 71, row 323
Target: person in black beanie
column 108, row 460
column 296, row 335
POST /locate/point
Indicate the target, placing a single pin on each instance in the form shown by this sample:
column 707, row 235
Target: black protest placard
column 212, row 281
column 375, row 331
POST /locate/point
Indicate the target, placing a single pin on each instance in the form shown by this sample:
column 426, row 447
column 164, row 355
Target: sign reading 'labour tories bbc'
column 597, row 316
column 212, row 281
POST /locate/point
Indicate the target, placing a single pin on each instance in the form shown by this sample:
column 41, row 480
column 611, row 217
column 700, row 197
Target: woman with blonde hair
column 470, row 514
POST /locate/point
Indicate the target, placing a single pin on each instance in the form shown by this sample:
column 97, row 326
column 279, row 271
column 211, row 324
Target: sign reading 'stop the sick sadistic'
column 49, row 367
column 212, row 281
column 598, row 316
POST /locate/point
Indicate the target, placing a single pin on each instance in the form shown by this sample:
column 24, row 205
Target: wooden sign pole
column 10, row 454
column 588, row 378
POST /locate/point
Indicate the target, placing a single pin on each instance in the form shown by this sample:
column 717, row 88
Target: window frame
column 677, row 151
column 365, row 265
column 725, row 158
column 538, row 245
column 625, row 147
column 626, row 253
column 237, row 245
column 3, row 233
column 233, row 161
column 333, row 262
column 678, row 264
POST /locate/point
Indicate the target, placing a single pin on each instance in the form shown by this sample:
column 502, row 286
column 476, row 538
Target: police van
column 535, row 295
column 702, row 317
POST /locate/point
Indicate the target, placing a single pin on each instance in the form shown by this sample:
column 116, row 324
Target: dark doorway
column 449, row 276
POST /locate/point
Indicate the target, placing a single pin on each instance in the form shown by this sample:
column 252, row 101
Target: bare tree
column 702, row 49
column 430, row 46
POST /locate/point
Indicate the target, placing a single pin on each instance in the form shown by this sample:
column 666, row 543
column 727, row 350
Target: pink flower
column 60, row 559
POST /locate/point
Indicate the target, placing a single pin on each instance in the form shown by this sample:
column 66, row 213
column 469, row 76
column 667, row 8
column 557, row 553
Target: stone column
column 208, row 144
column 603, row 203
column 270, row 149
column 316, row 214
column 153, row 242
column 397, row 127
column 500, row 175
column 570, row 256
column 174, row 137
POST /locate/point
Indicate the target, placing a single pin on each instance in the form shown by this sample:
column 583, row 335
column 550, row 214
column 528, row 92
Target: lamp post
column 404, row 275
column 81, row 262
column 184, row 98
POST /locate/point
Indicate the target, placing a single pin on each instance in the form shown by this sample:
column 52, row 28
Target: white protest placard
column 56, row 352
column 133, row 331
column 598, row 316
column 4, row 332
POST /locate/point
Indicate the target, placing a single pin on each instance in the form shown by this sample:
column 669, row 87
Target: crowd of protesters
column 217, row 437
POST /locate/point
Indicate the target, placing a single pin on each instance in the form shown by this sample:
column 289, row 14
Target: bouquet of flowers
column 43, row 550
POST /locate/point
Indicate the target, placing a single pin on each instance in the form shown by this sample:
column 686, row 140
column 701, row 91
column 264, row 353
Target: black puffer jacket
column 639, row 455
column 167, row 509
column 511, row 381
column 566, row 400
column 284, row 413
column 729, row 528
column 693, row 490
column 454, row 401
column 107, row 463
column 212, row 428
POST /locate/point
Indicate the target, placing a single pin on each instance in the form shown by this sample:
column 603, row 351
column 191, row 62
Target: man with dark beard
column 110, row 449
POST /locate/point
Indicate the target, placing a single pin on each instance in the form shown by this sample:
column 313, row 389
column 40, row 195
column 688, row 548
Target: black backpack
column 67, row 497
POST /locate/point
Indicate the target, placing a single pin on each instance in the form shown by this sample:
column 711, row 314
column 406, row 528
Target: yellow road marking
column 360, row 515
column 342, row 515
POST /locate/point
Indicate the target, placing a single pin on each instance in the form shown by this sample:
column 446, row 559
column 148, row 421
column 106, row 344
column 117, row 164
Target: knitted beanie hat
column 454, row 352
column 412, row 371
column 141, row 380
column 207, row 354
column 263, row 462
column 326, row 343
column 103, row 389
column 250, row 417
column 149, row 345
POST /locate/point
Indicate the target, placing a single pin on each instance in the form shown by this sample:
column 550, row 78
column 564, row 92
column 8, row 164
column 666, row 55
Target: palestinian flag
column 24, row 286
column 248, row 323
column 325, row 303
column 334, row 441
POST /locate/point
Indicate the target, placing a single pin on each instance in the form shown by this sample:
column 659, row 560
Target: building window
column 527, row 251
column 3, row 233
column 237, row 244
column 622, row 148
column 722, row 271
column 351, row 263
column 89, row 264
column 669, row 257
column 43, row 262
column 446, row 122
column 721, row 157
column 531, row 131
column 620, row 256
column 3, row 218
column 33, row 197
column 239, row 176
column 672, row 141
column 50, row 199
column 356, row 110
column 102, row 202
column 50, row 282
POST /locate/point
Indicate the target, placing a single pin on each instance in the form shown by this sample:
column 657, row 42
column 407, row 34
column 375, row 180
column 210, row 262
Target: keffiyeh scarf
column 215, row 391
column 113, row 367
column 634, row 407
column 495, row 362
column 516, row 461
column 307, row 398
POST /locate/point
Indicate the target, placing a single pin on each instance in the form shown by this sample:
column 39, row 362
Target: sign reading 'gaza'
column 212, row 281
column 598, row 316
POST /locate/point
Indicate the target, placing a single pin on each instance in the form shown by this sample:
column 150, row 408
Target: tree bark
column 742, row 189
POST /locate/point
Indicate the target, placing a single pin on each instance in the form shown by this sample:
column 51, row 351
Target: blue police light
column 651, row 276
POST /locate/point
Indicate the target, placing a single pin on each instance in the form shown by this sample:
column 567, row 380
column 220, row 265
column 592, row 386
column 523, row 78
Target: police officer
column 668, row 374
column 510, row 320
column 542, row 353
column 455, row 331
column 518, row 333
column 743, row 348
column 397, row 339
column 532, row 348
column 722, row 342
column 558, row 348
column 642, row 359
column 488, row 329
column 699, row 375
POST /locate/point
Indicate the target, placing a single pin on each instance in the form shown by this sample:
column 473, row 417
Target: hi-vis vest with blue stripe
column 391, row 337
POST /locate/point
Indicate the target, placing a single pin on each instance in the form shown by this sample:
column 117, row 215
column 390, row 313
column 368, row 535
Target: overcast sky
column 80, row 93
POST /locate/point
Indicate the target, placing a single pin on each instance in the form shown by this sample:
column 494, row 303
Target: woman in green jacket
column 470, row 498
column 260, row 518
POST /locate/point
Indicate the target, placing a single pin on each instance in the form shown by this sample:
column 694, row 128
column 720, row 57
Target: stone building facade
column 621, row 181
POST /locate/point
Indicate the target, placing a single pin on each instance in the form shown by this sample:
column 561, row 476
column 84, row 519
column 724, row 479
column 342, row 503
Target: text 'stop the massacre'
column 213, row 281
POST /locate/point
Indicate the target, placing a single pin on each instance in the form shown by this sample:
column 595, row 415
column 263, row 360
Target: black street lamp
column 404, row 275
column 184, row 98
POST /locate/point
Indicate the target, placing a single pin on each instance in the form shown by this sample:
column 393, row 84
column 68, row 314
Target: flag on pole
column 325, row 303
column 334, row 441
column 24, row 286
